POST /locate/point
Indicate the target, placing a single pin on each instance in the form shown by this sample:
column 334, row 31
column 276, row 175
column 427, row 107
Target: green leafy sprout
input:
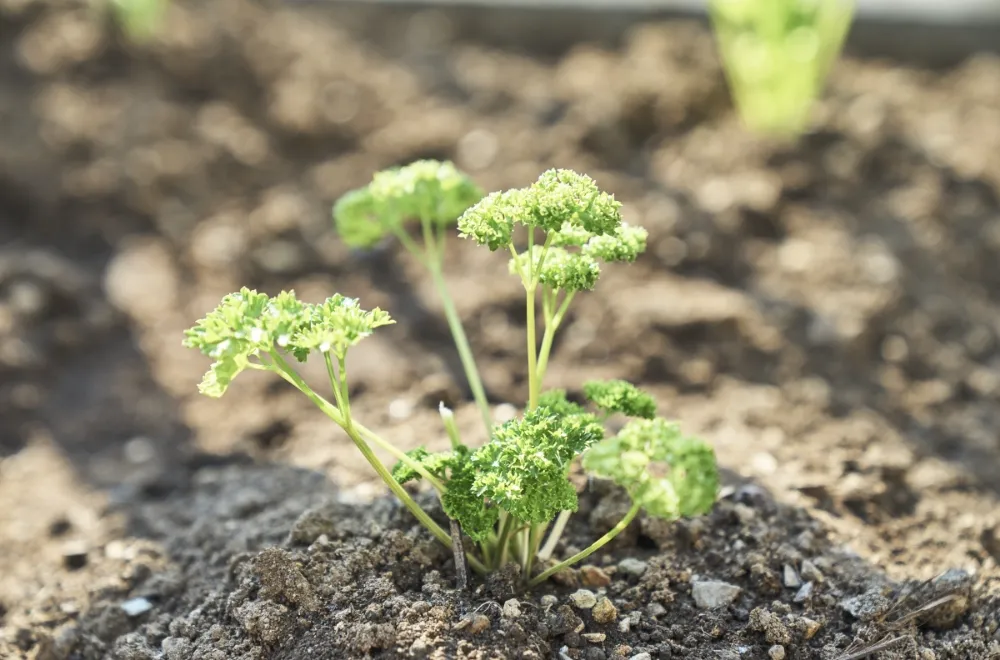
column 511, row 496
column 777, row 54
column 138, row 19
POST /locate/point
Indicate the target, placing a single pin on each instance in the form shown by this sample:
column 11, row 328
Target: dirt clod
column 770, row 624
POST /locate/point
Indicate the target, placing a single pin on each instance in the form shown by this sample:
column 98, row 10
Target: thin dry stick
column 874, row 648
column 461, row 569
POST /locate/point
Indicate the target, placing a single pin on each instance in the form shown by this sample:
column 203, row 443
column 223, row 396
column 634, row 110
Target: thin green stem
column 551, row 326
column 506, row 526
column 450, row 427
column 410, row 245
column 532, row 548
column 542, row 256
column 594, row 547
column 462, row 344
column 554, row 535
column 439, row 533
column 517, row 263
column 532, row 351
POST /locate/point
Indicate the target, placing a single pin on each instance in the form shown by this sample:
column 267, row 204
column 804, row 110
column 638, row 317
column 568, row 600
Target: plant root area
column 825, row 311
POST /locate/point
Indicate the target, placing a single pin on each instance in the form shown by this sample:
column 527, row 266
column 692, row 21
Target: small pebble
column 804, row 593
column 632, row 566
column 583, row 599
column 604, row 611
column 711, row 595
column 136, row 606
column 594, row 576
column 809, row 627
column 512, row 609
column 776, row 652
column 594, row 638
column 810, row 572
column 641, row 656
column 655, row 609
column 791, row 578
column 548, row 600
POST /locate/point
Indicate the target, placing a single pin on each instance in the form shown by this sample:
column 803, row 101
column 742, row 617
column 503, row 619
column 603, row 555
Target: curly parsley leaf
column 337, row 324
column 556, row 401
column 523, row 468
column 463, row 502
column 436, row 463
column 423, row 190
column 248, row 323
column 620, row 396
column 635, row 457
column 625, row 244
column 561, row 270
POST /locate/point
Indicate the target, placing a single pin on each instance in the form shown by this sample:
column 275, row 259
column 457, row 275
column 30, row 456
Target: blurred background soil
column 826, row 312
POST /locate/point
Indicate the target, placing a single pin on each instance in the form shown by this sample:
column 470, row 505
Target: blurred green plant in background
column 138, row 19
column 777, row 54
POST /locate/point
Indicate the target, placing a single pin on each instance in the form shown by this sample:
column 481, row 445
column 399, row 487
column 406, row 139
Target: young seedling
column 508, row 493
column 432, row 194
column 777, row 54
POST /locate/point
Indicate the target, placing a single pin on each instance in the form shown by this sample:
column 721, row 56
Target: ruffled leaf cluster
column 559, row 199
column 522, row 470
column 644, row 447
column 437, row 463
column 429, row 190
column 459, row 500
column 620, row 396
column 561, row 269
column 248, row 323
column 583, row 228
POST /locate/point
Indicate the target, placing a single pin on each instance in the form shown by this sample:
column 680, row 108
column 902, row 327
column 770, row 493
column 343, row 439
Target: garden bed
column 825, row 313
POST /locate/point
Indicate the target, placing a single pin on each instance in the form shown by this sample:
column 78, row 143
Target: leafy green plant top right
column 777, row 54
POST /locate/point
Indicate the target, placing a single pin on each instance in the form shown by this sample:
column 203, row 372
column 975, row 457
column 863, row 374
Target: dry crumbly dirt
column 826, row 313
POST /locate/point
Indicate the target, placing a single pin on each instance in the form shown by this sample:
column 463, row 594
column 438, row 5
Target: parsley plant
column 511, row 496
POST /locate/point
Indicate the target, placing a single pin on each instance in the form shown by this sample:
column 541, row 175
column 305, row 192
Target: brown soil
column 825, row 312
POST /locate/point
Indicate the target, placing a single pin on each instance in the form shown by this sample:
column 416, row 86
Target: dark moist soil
column 825, row 312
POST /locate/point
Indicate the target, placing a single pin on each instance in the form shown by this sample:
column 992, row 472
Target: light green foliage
column 436, row 463
column 464, row 502
column 428, row 190
column 460, row 500
column 357, row 220
column 561, row 270
column 624, row 244
column 564, row 196
column 630, row 459
column 523, row 468
column 558, row 404
column 491, row 221
column 777, row 54
column 139, row 19
column 620, row 396
column 559, row 201
column 335, row 325
column 249, row 323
